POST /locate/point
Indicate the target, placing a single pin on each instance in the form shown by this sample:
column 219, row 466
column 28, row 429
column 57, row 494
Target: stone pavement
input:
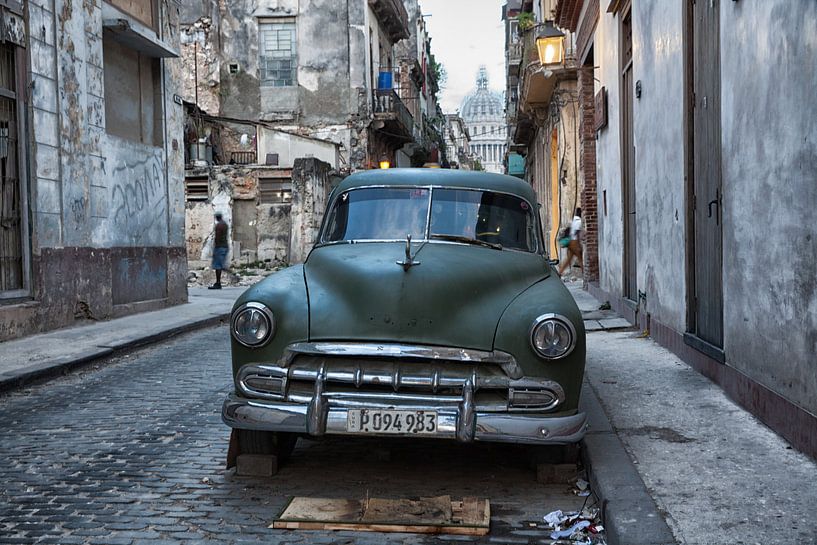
column 716, row 474
column 56, row 352
column 134, row 452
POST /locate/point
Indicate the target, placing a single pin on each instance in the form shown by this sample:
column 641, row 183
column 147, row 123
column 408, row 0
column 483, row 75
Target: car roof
column 444, row 177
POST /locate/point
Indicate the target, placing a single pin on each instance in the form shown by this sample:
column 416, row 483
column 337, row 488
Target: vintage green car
column 427, row 307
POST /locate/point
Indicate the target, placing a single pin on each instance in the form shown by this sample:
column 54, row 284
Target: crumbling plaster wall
column 331, row 99
column 199, row 50
column 321, row 95
column 97, row 200
column 311, row 187
column 266, row 224
column 279, row 233
column 769, row 193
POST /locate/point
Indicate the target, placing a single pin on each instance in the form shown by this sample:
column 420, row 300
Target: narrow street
column 133, row 452
column 553, row 284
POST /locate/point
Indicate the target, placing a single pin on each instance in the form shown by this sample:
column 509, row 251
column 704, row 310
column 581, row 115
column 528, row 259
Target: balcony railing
column 386, row 101
column 515, row 52
column 242, row 157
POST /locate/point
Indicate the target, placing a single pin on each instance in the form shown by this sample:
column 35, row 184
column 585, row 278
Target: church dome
column 483, row 104
column 484, row 114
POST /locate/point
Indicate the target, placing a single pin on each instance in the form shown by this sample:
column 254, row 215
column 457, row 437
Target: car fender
column 284, row 293
column 513, row 335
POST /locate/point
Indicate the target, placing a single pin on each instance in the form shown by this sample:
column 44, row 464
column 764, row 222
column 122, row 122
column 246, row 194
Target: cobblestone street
column 133, row 452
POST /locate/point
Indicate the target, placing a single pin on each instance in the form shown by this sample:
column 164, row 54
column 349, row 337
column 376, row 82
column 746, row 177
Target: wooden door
column 706, row 315
column 628, row 157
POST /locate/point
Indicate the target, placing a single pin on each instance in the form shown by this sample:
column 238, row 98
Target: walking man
column 574, row 247
column 221, row 247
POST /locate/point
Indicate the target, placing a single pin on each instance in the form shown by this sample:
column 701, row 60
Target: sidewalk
column 716, row 474
column 55, row 352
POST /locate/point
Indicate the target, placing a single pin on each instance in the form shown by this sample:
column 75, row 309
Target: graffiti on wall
column 138, row 197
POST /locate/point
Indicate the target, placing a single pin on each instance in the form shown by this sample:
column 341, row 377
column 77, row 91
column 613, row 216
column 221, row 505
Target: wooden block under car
column 437, row 515
column 256, row 465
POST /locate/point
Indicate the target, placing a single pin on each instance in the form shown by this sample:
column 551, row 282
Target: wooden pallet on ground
column 437, row 515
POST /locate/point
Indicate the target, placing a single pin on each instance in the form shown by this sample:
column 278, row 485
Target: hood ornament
column 409, row 261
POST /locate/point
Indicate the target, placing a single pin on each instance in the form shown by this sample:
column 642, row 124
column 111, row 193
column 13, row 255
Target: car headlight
column 252, row 324
column 552, row 336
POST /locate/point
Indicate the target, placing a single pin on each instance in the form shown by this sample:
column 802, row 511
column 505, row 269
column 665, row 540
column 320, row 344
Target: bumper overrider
column 316, row 387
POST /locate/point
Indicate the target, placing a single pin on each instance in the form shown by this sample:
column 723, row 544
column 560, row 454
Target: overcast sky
column 464, row 35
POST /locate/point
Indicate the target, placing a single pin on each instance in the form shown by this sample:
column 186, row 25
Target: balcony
column 514, row 56
column 389, row 110
column 393, row 16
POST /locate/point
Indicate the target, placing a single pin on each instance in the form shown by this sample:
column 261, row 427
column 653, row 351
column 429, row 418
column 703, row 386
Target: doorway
column 628, row 157
column 704, row 181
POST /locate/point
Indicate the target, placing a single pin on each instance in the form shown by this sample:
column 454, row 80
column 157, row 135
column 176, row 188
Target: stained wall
column 104, row 208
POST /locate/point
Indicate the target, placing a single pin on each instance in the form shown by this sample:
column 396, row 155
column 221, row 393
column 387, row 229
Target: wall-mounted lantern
column 550, row 42
column 384, row 161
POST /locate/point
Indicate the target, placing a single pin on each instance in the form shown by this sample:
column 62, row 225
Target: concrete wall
column 769, row 166
column 102, row 206
column 608, row 157
column 769, row 193
column 658, row 118
column 289, row 147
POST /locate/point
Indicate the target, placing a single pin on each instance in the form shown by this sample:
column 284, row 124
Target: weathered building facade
column 417, row 84
column 543, row 116
column 457, row 143
column 705, row 163
column 324, row 69
column 273, row 212
column 267, row 83
column 92, row 197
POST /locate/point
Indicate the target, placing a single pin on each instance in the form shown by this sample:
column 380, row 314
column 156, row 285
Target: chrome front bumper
column 462, row 422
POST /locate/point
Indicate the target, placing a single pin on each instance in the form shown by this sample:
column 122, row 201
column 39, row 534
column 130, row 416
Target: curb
column 62, row 366
column 628, row 511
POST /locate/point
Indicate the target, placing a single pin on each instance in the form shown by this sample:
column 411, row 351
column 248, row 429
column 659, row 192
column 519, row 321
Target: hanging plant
column 525, row 20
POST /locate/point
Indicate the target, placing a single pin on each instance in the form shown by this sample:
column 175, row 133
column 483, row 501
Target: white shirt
column 575, row 227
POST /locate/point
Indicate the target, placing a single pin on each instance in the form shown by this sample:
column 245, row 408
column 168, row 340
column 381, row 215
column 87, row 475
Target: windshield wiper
column 468, row 240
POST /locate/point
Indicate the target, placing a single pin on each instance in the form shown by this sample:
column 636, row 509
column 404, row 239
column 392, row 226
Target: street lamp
column 550, row 43
column 384, row 161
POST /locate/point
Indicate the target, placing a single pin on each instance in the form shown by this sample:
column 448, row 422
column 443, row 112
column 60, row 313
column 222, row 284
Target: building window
column 276, row 49
column 133, row 93
column 274, row 191
column 196, row 188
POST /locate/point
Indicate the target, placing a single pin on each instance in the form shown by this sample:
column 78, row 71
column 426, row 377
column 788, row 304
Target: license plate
column 390, row 421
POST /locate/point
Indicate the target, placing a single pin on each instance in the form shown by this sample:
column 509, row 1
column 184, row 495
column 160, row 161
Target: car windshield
column 457, row 215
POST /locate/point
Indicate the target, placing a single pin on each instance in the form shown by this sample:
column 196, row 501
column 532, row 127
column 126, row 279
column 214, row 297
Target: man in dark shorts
column 221, row 247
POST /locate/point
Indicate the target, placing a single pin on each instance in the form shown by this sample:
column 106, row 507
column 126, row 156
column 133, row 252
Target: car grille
column 361, row 381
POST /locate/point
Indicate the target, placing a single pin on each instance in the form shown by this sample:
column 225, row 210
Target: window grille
column 11, row 240
column 277, row 49
column 274, row 191
column 196, row 188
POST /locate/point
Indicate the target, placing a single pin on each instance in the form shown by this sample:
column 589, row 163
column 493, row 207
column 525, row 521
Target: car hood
column 455, row 297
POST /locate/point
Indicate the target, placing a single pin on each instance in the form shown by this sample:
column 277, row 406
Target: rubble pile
column 245, row 275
